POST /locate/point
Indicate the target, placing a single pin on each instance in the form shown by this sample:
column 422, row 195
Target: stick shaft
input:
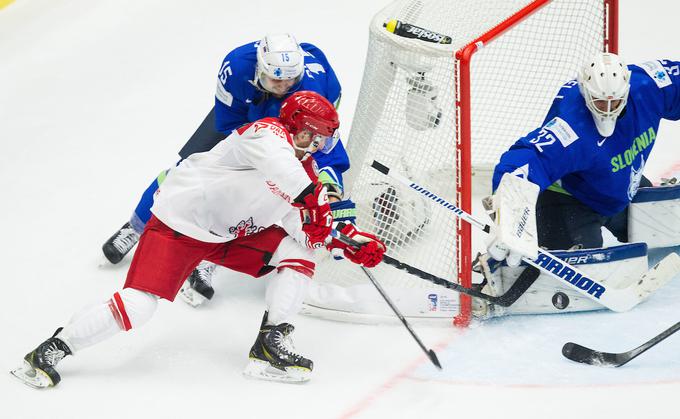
column 430, row 354
column 616, row 300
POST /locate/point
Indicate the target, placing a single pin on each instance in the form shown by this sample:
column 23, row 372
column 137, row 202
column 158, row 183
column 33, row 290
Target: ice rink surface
column 96, row 97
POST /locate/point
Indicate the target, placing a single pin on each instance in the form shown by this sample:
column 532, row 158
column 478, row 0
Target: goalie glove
column 369, row 254
column 315, row 213
column 514, row 211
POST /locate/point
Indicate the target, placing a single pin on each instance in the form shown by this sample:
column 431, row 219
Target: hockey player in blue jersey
column 252, row 82
column 561, row 183
column 589, row 156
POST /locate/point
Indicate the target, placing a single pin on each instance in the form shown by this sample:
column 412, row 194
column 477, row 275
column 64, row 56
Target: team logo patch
column 245, row 228
column 657, row 72
column 433, row 299
column 561, row 130
column 278, row 72
column 635, row 178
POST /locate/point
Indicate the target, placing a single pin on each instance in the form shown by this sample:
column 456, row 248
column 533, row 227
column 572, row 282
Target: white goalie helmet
column 280, row 63
column 604, row 83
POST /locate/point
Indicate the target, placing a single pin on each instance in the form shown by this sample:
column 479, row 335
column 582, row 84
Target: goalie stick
column 578, row 353
column 523, row 282
column 616, row 299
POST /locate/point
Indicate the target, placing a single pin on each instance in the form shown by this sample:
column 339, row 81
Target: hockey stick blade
column 615, row 299
column 579, row 353
column 434, row 359
column 521, row 285
column 523, row 282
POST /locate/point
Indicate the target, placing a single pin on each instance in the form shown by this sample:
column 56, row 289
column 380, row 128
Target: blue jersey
column 238, row 100
column 569, row 154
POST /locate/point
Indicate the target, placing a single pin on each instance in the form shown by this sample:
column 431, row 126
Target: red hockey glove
column 369, row 254
column 315, row 212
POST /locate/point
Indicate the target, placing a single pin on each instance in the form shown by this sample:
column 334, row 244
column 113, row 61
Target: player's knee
column 133, row 308
column 290, row 255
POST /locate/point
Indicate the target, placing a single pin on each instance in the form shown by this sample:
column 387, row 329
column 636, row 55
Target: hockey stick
column 578, row 353
column 523, row 282
column 616, row 299
column 429, row 352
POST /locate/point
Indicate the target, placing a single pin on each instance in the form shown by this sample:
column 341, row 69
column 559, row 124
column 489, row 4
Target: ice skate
column 38, row 369
column 273, row 357
column 197, row 289
column 118, row 245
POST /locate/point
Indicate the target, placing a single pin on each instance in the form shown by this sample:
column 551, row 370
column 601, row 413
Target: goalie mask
column 314, row 118
column 280, row 64
column 604, row 83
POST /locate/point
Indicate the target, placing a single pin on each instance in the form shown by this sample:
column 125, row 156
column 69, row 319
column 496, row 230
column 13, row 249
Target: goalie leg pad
column 654, row 216
column 618, row 266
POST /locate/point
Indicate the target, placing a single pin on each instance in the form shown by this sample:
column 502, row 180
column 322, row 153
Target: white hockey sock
column 285, row 292
column 98, row 322
column 287, row 287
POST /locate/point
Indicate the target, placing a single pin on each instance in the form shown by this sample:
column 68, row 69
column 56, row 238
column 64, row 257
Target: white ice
column 96, row 97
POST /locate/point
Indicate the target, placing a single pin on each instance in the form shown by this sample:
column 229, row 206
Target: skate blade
column 32, row 377
column 262, row 370
column 191, row 297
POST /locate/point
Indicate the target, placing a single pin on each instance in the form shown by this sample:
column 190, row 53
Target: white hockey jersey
column 245, row 184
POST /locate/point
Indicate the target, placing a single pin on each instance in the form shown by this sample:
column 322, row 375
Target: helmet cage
column 604, row 84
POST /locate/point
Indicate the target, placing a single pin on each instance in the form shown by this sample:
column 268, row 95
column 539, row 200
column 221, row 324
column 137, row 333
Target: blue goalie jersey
column 569, row 154
column 238, row 100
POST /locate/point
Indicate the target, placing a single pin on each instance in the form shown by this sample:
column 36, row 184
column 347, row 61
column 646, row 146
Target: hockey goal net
column 439, row 114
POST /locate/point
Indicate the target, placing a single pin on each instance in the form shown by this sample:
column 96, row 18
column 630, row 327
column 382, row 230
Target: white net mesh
column 406, row 119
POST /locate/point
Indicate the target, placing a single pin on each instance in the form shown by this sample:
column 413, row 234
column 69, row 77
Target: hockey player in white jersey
column 222, row 206
column 252, row 82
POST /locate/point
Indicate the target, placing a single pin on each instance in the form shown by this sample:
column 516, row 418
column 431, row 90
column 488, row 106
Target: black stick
column 429, row 352
column 578, row 353
column 523, row 282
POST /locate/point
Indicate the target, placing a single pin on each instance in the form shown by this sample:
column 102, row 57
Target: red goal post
column 441, row 113
column 464, row 57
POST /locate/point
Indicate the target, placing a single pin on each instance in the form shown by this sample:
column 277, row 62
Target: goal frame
column 463, row 120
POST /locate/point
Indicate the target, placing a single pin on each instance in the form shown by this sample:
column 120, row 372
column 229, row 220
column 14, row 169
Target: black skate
column 273, row 357
column 197, row 289
column 38, row 368
column 118, row 245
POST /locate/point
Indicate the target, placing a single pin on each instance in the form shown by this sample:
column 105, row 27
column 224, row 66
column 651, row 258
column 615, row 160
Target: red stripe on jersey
column 303, row 266
column 310, row 166
column 272, row 124
column 123, row 314
column 243, row 128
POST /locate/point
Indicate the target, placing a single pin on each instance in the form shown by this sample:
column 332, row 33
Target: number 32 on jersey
column 556, row 129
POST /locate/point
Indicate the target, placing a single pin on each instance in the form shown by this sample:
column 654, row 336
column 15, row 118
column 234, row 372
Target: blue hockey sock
column 142, row 212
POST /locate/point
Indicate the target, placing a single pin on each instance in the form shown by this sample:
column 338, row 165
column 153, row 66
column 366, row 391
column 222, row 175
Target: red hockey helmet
column 311, row 111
